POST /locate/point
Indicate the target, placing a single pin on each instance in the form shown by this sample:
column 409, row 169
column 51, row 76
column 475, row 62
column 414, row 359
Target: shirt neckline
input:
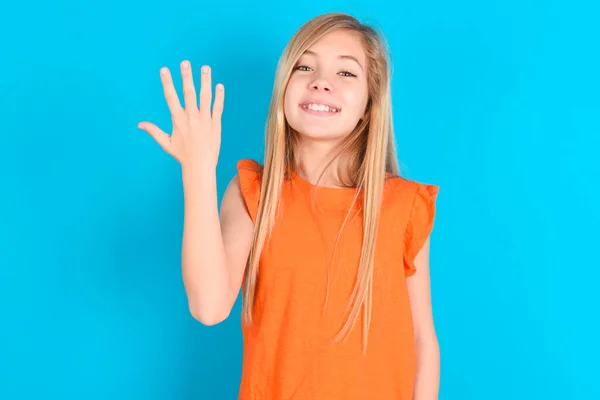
column 336, row 197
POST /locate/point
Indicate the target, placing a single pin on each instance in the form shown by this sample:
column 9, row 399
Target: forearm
column 205, row 275
column 428, row 369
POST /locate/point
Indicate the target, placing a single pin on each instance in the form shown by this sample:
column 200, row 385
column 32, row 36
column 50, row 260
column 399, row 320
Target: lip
column 320, row 114
column 315, row 101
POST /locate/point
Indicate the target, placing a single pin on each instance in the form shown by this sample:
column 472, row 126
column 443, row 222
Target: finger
column 217, row 110
column 170, row 92
column 189, row 91
column 162, row 138
column 205, row 91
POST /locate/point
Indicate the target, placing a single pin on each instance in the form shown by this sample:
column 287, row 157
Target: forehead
column 340, row 42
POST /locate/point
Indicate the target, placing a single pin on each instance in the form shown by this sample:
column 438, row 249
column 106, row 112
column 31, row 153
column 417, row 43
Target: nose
column 320, row 84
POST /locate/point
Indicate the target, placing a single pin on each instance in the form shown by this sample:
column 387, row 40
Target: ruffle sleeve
column 420, row 224
column 249, row 172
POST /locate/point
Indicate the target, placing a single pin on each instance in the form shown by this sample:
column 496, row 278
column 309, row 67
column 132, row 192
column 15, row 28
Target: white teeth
column 320, row 107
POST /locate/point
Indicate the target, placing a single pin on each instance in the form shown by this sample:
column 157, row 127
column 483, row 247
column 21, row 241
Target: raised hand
column 196, row 137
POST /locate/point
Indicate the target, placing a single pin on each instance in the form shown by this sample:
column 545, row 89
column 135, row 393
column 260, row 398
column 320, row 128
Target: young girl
column 328, row 243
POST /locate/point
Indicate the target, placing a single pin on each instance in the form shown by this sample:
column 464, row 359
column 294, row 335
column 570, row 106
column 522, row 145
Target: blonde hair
column 369, row 152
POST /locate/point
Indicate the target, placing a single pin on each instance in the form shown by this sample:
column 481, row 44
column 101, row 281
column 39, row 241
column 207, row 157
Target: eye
column 346, row 73
column 302, row 68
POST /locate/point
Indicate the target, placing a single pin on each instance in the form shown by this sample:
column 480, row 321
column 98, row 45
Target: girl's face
column 327, row 92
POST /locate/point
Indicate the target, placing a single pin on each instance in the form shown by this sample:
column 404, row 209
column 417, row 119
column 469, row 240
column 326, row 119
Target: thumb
column 162, row 138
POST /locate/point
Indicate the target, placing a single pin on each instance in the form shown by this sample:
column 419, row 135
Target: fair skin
column 216, row 245
column 426, row 342
column 331, row 72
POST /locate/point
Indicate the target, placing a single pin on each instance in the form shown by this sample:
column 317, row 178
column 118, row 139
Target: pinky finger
column 162, row 138
column 217, row 110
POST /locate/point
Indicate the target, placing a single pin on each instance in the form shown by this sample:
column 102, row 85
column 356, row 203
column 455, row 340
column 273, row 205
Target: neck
column 313, row 157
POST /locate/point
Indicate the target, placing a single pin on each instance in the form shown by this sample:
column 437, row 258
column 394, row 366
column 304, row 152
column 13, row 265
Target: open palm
column 196, row 136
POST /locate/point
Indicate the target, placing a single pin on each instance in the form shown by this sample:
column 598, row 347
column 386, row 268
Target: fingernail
column 185, row 64
column 205, row 69
column 163, row 71
column 219, row 86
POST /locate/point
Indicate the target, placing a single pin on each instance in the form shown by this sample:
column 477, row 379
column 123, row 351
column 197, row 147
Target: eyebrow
column 343, row 56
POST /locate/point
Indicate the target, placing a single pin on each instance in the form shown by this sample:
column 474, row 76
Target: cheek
column 357, row 100
column 290, row 97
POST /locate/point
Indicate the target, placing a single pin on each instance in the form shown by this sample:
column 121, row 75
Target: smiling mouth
column 320, row 108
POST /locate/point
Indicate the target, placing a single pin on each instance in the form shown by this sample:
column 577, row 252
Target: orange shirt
column 288, row 349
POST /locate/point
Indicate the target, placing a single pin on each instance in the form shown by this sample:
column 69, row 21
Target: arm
column 215, row 247
column 426, row 343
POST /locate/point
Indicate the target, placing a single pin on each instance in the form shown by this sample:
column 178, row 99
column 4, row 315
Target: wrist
column 199, row 172
column 199, row 168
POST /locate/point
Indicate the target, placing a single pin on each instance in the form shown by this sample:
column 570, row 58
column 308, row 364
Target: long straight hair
column 369, row 152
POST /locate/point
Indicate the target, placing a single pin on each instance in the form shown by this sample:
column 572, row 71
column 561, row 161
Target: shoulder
column 413, row 197
column 400, row 187
column 249, row 170
column 248, row 181
column 248, row 164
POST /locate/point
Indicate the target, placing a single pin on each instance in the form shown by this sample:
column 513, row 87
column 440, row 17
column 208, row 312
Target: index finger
column 170, row 92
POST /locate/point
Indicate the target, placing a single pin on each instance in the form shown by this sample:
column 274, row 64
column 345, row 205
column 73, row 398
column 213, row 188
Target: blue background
column 495, row 101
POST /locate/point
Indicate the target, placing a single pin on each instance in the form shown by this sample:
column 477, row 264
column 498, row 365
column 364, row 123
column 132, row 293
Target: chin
column 319, row 133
